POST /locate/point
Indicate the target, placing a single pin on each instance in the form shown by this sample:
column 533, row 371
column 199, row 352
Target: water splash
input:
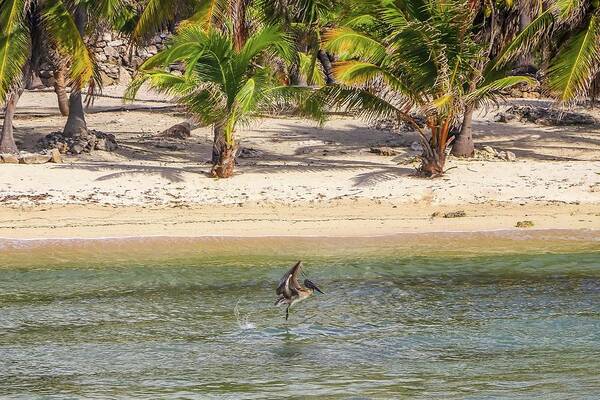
column 243, row 321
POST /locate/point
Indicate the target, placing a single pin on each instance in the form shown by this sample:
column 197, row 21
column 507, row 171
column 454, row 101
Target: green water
column 397, row 326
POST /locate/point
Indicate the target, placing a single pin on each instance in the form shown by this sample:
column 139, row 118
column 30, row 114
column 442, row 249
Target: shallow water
column 518, row 325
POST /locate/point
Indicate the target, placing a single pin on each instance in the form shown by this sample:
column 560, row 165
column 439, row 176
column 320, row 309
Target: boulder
column 178, row 131
column 510, row 156
column 34, row 158
column 55, row 156
column 248, row 152
column 9, row 158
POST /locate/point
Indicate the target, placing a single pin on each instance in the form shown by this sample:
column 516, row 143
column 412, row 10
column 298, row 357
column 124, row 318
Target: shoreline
column 363, row 218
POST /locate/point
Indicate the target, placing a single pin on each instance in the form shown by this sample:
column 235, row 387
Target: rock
column 8, row 158
column 248, row 152
column 105, row 142
column 178, row 131
column 76, row 148
column 106, row 80
column 107, row 36
column 124, row 77
column 111, row 52
column 490, row 150
column 101, row 57
column 510, row 156
column 115, row 43
column 384, row 151
column 504, row 117
column 55, row 156
column 502, row 155
column 34, row 158
column 416, row 146
column 549, row 117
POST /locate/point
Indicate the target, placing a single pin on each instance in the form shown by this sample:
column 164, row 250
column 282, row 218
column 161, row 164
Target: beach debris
column 249, row 152
column 524, row 224
column 84, row 143
column 8, row 158
column 384, row 151
column 182, row 131
column 455, row 214
column 544, row 116
column 436, row 214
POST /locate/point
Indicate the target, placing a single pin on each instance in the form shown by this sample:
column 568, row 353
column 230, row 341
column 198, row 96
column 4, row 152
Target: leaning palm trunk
column 223, row 154
column 60, row 90
column 7, row 139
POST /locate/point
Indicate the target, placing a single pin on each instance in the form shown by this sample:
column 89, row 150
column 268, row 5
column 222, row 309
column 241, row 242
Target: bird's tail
column 280, row 301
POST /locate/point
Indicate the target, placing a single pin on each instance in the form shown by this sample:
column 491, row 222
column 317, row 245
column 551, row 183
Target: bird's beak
column 318, row 290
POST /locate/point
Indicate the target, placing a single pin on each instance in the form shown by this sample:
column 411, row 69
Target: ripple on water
column 493, row 326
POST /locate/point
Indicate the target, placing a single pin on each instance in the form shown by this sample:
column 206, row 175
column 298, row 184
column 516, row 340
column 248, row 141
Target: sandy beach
column 294, row 178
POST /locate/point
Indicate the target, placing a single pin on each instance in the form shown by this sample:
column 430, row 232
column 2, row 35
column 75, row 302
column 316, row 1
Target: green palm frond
column 271, row 38
column 310, row 70
column 157, row 14
column 489, row 91
column 14, row 44
column 575, row 66
column 220, row 85
column 360, row 102
column 59, row 23
column 348, row 43
column 208, row 13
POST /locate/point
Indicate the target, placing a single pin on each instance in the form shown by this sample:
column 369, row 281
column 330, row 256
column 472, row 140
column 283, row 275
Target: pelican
column 290, row 291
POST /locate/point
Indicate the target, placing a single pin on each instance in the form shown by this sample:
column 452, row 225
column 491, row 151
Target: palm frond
column 347, row 43
column 59, row 23
column 489, row 91
column 14, row 44
column 311, row 71
column 573, row 69
column 527, row 39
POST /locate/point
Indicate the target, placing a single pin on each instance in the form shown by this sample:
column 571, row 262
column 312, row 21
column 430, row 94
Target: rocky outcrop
column 86, row 143
column 544, row 116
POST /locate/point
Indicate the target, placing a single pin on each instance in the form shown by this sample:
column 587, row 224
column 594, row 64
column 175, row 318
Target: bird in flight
column 290, row 291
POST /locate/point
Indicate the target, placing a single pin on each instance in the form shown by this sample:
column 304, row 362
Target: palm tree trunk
column 463, row 146
column 59, row 89
column 223, row 155
column 327, row 67
column 240, row 30
column 76, row 125
column 433, row 158
column 7, row 139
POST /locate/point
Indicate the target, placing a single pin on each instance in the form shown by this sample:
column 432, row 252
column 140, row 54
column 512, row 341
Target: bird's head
column 309, row 285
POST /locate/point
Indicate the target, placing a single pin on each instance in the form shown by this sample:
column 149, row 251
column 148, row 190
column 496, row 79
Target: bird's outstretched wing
column 289, row 285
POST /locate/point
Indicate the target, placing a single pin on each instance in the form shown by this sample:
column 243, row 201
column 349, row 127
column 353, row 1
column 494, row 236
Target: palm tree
column 567, row 32
column 22, row 24
column 425, row 53
column 221, row 86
